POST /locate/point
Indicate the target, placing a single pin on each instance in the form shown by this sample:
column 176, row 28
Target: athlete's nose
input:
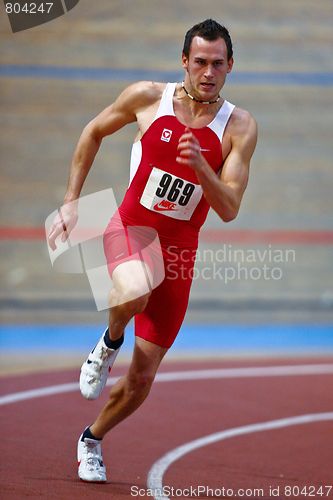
column 209, row 72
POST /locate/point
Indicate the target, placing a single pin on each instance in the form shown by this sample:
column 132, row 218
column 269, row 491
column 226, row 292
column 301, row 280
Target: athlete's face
column 206, row 68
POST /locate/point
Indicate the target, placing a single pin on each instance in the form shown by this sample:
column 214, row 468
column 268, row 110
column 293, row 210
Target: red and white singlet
column 162, row 193
column 167, row 197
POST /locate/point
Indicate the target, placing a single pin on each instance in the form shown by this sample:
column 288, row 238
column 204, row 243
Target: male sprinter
column 192, row 152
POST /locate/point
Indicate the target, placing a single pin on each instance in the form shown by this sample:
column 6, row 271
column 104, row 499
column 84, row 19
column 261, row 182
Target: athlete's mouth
column 207, row 86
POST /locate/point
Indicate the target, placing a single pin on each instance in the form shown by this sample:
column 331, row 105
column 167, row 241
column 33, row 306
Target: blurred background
column 56, row 77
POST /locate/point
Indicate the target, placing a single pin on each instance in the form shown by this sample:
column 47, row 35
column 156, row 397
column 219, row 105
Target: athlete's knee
column 136, row 294
column 139, row 304
column 139, row 383
column 134, row 299
column 128, row 308
column 132, row 285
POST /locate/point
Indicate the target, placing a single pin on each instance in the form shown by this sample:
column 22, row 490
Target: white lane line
column 157, row 471
column 37, row 393
column 261, row 371
column 42, row 391
column 248, row 372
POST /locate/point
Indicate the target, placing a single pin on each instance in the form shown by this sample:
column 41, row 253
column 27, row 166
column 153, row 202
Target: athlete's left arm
column 224, row 194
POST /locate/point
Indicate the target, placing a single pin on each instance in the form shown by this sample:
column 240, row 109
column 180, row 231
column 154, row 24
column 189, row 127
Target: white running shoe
column 90, row 461
column 96, row 368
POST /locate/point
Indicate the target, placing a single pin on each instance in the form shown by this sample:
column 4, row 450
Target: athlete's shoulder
column 242, row 123
column 144, row 93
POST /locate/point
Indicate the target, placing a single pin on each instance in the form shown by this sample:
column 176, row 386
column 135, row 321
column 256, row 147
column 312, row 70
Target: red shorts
column 164, row 314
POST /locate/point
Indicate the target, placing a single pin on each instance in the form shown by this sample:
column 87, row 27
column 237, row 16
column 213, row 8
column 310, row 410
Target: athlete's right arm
column 124, row 110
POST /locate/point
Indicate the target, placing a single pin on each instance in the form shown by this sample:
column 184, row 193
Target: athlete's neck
column 199, row 100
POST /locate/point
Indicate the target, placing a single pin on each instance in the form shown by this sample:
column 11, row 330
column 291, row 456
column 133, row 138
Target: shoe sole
column 95, row 481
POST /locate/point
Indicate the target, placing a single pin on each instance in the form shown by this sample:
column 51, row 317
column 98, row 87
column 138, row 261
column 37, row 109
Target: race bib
column 170, row 195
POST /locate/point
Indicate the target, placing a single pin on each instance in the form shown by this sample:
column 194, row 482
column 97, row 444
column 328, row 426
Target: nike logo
column 165, row 205
column 119, row 255
column 203, row 149
column 88, row 360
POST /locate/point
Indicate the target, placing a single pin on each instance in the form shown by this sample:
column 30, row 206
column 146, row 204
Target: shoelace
column 97, row 365
column 92, row 456
column 99, row 362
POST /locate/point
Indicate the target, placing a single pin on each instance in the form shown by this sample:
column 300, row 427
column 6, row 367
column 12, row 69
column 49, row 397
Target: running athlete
column 192, row 152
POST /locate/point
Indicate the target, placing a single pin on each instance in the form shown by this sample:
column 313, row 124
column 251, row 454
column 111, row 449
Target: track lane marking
column 157, row 471
column 248, row 372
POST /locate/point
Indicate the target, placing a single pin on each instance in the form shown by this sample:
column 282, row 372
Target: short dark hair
column 209, row 30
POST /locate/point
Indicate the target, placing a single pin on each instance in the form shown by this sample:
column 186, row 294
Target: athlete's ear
column 184, row 61
column 230, row 64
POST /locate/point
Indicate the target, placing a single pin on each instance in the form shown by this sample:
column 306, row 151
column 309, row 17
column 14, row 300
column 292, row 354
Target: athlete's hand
column 63, row 224
column 189, row 152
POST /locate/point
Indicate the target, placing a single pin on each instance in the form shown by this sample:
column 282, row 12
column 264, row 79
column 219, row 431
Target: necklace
column 198, row 100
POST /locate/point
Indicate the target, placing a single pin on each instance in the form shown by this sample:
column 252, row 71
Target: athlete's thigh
column 132, row 278
column 133, row 268
column 164, row 314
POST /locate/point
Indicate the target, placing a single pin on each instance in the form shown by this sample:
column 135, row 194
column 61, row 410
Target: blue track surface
column 320, row 79
column 222, row 338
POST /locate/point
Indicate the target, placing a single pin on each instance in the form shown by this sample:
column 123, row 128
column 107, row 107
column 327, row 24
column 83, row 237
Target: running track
column 265, row 426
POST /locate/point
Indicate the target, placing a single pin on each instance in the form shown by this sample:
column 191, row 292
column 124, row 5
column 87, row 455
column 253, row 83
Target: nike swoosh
column 88, row 360
column 203, row 149
column 119, row 255
column 164, row 209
